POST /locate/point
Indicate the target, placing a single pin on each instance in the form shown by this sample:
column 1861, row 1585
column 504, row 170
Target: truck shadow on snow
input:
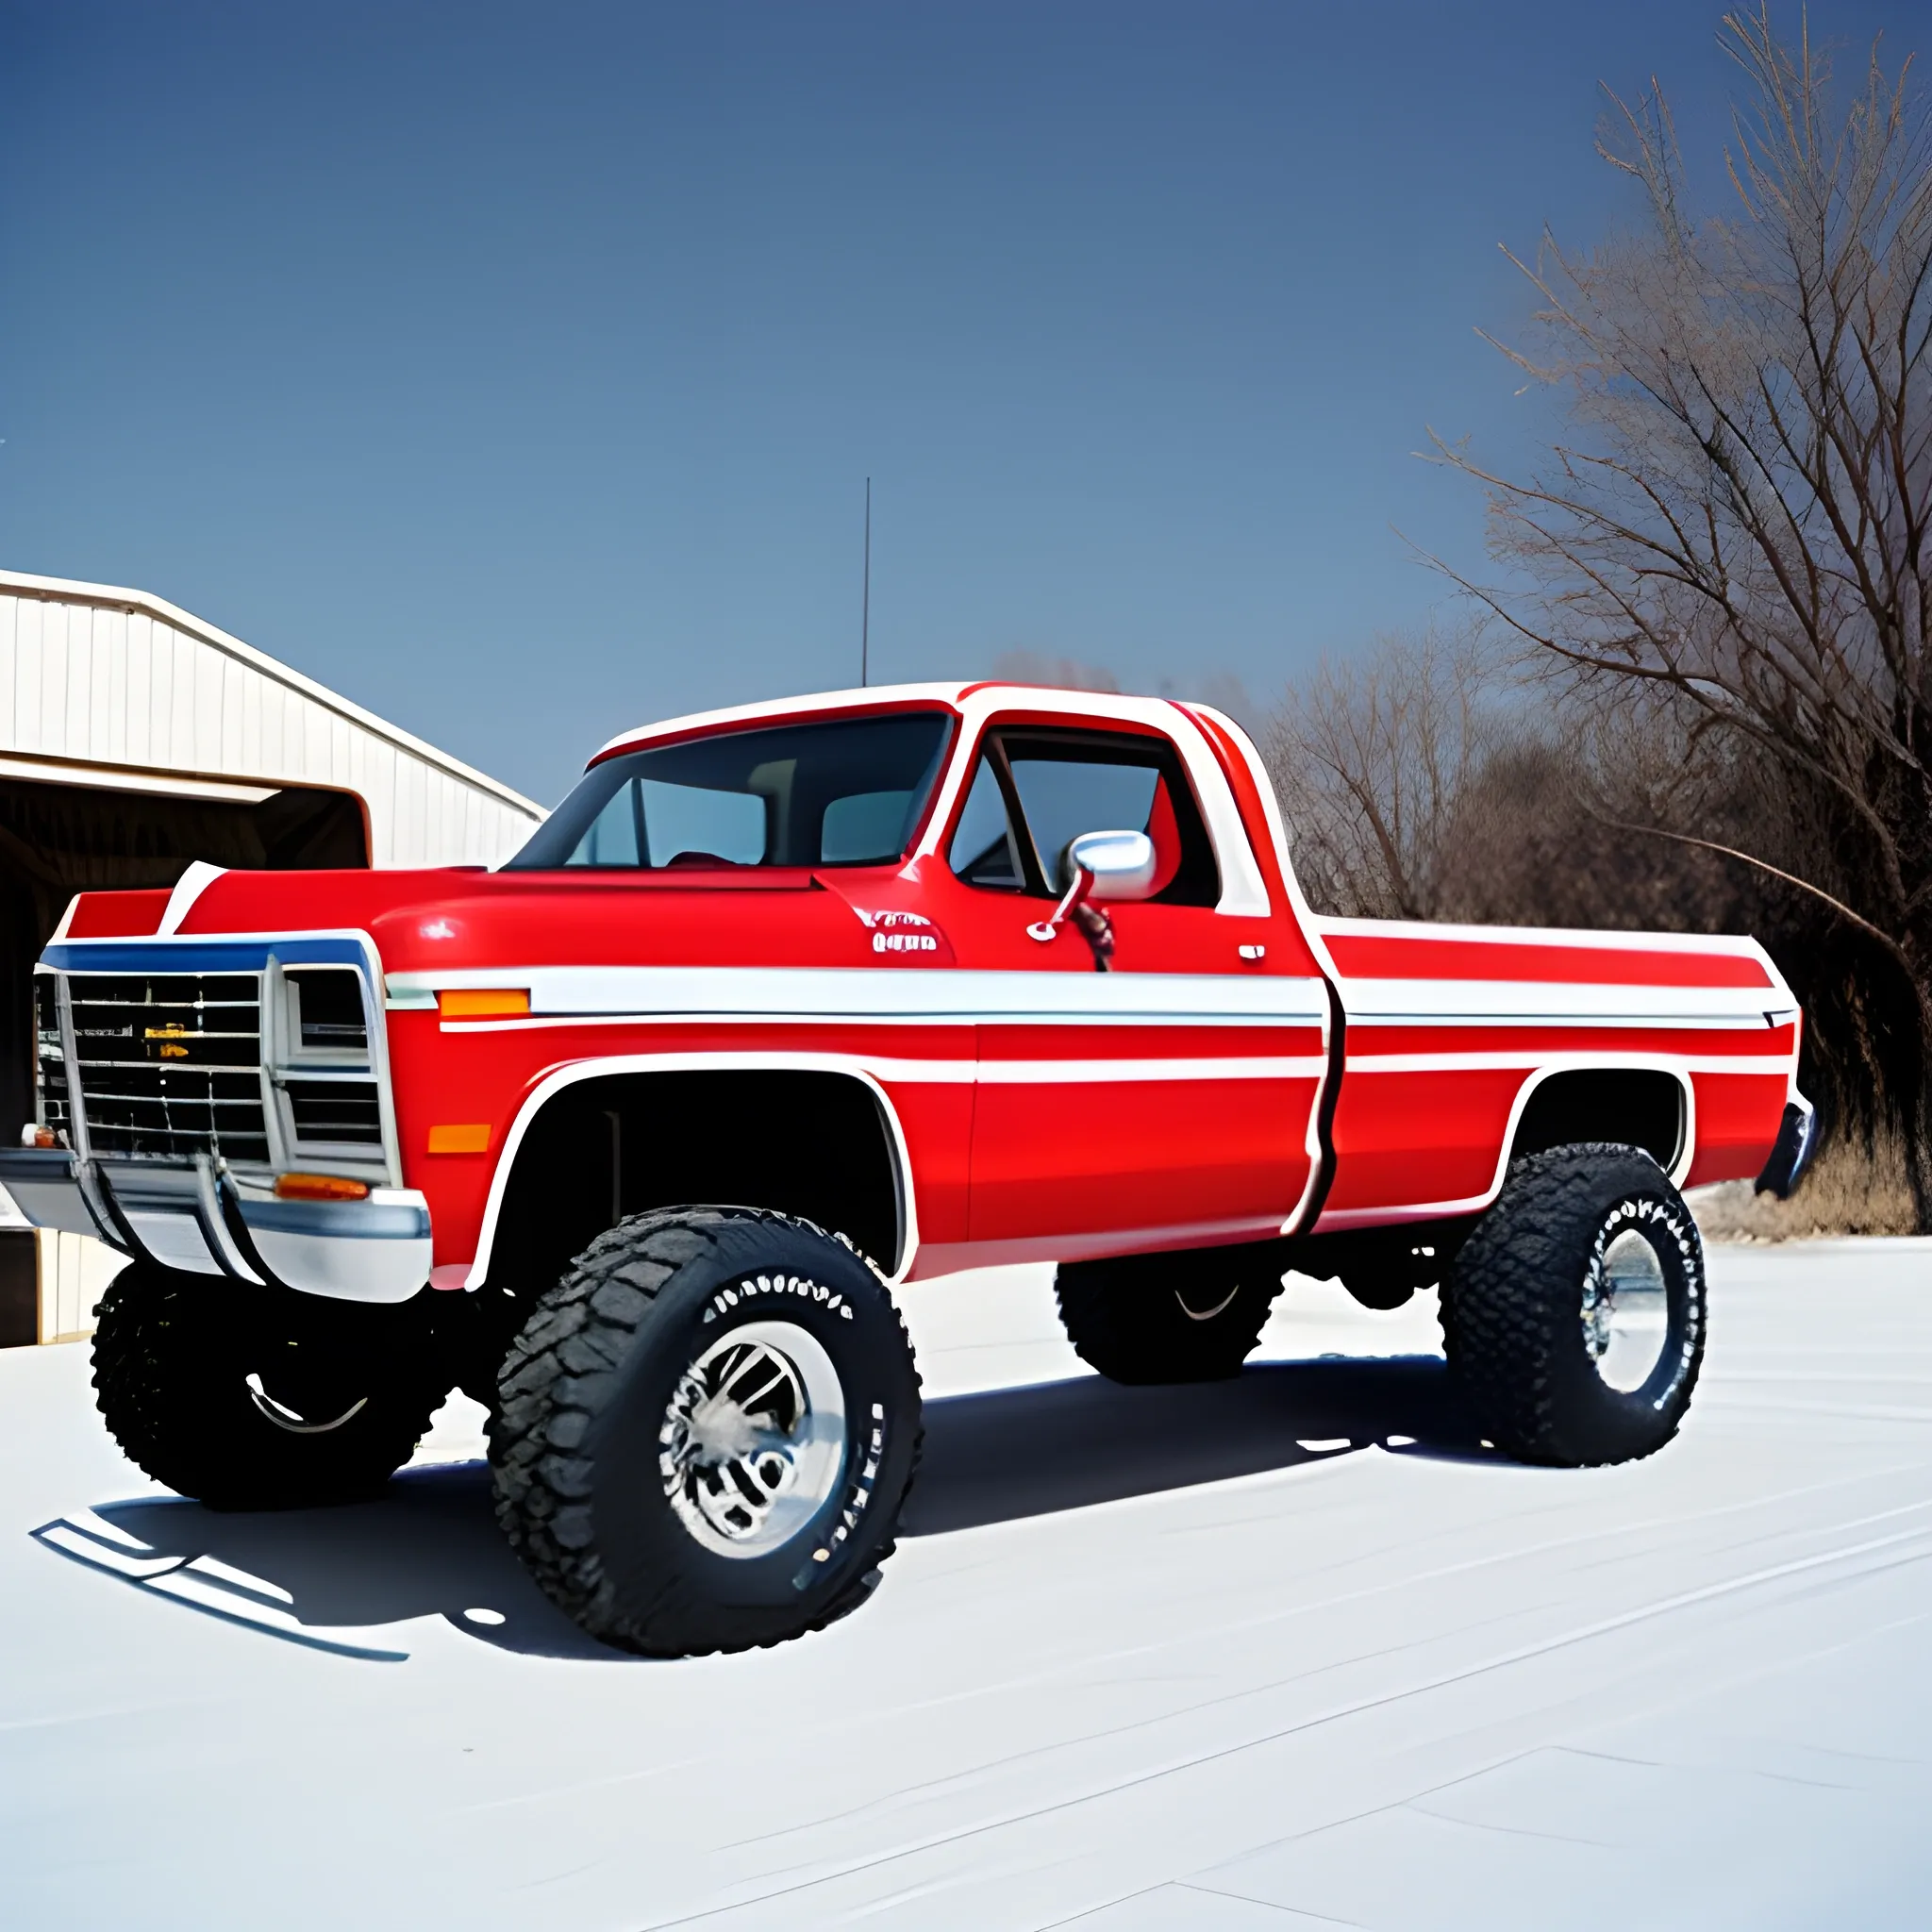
column 429, row 1546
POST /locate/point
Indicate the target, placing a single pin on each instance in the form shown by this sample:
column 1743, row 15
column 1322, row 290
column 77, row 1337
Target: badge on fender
column 911, row 937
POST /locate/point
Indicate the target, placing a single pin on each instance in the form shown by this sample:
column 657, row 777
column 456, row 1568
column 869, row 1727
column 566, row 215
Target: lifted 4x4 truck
column 642, row 1137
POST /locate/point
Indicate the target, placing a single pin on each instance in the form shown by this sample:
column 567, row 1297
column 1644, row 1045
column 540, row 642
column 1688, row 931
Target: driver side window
column 1037, row 790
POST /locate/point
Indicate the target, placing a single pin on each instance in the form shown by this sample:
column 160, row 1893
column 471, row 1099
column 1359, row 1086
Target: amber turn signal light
column 462, row 1137
column 482, row 1002
column 319, row 1187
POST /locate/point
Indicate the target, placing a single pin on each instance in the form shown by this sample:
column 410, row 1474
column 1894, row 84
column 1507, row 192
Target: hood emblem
column 168, row 1038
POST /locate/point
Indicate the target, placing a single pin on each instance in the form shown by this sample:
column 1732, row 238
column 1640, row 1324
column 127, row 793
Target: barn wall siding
column 102, row 676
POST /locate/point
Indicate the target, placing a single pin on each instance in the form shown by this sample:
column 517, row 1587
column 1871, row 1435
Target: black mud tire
column 582, row 1476
column 346, row 1390
column 1514, row 1308
column 1192, row 1316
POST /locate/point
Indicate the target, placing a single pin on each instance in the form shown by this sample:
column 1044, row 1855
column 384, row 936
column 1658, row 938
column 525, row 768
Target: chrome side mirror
column 1096, row 866
column 1122, row 865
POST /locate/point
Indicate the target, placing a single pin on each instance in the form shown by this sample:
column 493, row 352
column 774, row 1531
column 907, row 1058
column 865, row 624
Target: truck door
column 1168, row 1098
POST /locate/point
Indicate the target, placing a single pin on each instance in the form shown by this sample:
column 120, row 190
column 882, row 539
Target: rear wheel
column 1185, row 1316
column 1574, row 1314
column 249, row 1398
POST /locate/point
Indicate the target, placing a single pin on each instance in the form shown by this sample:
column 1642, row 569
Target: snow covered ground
column 1294, row 1651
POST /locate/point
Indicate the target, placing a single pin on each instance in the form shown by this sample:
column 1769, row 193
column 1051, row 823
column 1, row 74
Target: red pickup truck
column 642, row 1136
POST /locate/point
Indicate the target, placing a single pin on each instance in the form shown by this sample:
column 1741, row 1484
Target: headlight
column 326, row 1011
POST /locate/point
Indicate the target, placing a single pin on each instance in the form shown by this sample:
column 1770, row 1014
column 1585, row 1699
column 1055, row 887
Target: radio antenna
column 865, row 597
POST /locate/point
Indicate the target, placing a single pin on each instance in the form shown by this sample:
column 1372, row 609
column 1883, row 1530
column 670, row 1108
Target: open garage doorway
column 83, row 832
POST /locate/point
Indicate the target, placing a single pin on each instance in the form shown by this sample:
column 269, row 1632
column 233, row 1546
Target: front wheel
column 1574, row 1314
column 259, row 1398
column 707, row 1429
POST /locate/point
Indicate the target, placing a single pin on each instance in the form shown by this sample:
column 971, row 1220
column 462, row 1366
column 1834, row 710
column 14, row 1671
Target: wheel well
column 1638, row 1106
column 807, row 1143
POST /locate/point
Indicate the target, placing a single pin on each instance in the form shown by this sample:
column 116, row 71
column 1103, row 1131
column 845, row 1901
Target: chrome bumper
column 200, row 1220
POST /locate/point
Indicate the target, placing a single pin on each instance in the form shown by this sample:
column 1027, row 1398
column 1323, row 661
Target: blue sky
column 516, row 370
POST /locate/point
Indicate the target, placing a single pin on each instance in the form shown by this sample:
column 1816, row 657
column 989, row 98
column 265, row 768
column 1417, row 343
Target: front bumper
column 200, row 1220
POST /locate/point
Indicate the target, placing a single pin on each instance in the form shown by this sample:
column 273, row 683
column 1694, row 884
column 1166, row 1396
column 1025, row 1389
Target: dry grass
column 1847, row 1191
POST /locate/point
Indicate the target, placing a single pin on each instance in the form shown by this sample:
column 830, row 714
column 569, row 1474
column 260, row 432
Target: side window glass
column 1062, row 799
column 1074, row 782
column 984, row 851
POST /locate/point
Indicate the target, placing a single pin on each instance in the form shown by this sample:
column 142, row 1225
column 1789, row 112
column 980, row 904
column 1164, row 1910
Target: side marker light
column 468, row 1137
column 483, row 1002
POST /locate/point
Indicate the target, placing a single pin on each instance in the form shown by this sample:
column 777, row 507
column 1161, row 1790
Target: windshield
column 847, row 791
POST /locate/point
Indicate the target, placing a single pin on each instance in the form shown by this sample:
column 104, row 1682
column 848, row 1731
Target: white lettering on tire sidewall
column 1669, row 1228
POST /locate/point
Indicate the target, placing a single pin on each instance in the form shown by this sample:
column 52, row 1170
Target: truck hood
column 466, row 918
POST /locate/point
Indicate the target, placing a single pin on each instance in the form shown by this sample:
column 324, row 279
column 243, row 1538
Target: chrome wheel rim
column 753, row 1442
column 1626, row 1313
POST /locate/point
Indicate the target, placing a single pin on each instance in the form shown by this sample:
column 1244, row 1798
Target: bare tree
column 1742, row 524
column 1371, row 759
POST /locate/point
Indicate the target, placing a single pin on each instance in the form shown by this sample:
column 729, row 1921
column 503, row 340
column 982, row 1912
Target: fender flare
column 612, row 1065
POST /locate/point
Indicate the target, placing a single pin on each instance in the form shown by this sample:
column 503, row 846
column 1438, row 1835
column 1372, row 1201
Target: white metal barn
column 134, row 739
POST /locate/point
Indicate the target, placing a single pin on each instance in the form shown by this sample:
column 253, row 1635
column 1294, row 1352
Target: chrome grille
column 169, row 1064
column 336, row 1110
